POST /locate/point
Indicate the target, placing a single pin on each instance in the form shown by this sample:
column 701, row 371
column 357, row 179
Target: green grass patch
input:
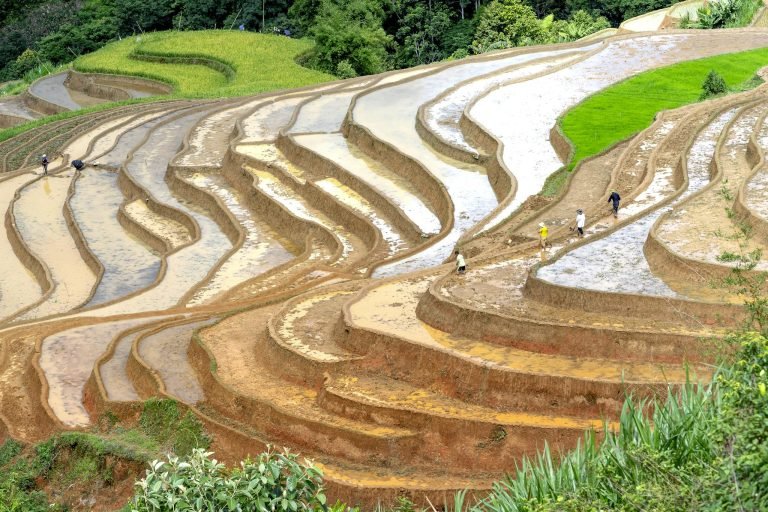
column 208, row 63
column 628, row 107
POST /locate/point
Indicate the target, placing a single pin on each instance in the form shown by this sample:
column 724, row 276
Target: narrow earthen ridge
column 112, row 87
column 305, row 158
column 275, row 214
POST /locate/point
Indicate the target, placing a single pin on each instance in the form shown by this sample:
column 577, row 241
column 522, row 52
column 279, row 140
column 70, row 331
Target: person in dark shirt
column 44, row 163
column 615, row 198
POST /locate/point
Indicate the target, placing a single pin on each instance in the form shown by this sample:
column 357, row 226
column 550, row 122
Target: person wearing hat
column 44, row 163
column 581, row 220
column 543, row 234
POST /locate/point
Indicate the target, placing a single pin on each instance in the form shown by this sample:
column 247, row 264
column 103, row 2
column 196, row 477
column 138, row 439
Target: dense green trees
column 353, row 37
column 349, row 37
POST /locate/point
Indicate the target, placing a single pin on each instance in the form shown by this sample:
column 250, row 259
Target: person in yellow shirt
column 543, row 234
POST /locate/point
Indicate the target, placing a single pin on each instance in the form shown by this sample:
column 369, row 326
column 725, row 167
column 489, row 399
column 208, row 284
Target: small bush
column 714, row 85
column 162, row 420
column 275, row 481
column 345, row 70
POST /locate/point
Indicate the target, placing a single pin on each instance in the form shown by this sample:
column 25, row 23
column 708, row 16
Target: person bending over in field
column 461, row 265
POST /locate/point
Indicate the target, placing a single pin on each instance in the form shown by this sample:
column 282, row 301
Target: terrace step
column 262, row 249
column 190, row 265
column 67, row 359
column 18, row 286
column 441, row 118
column 458, row 433
column 164, row 350
column 127, row 264
column 384, row 118
column 113, row 372
column 489, row 303
column 170, row 232
column 209, row 141
column 366, row 485
column 527, row 147
column 267, row 120
column 709, row 214
column 356, row 165
column 383, row 325
column 303, row 335
column 245, row 388
column 43, row 228
column 50, row 95
column 272, row 185
column 305, row 271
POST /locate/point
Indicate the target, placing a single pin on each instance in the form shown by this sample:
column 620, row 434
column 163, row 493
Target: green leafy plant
column 274, row 481
column 714, row 85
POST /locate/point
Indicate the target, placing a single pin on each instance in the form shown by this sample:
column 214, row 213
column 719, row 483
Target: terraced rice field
column 283, row 263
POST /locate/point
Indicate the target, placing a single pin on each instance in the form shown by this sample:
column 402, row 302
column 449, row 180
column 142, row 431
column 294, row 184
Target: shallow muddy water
column 273, row 157
column 263, row 125
column 209, row 141
column 390, row 114
column 166, row 352
column 40, row 220
column 443, row 115
column 18, row 286
column 189, row 265
column 128, row 264
column 162, row 227
column 296, row 204
column 324, row 114
column 113, row 372
column 67, row 359
column 52, row 89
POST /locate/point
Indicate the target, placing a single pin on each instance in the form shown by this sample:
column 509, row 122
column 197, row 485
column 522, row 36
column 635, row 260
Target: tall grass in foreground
column 647, row 448
column 704, row 448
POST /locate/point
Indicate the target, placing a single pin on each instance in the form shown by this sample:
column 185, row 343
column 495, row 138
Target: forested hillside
column 353, row 36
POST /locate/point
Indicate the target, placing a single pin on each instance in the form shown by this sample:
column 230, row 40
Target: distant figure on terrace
column 543, row 234
column 581, row 220
column 44, row 163
column 615, row 198
column 78, row 165
column 461, row 265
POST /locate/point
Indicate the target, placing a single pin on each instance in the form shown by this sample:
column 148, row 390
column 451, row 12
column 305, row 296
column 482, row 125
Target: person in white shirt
column 461, row 265
column 581, row 220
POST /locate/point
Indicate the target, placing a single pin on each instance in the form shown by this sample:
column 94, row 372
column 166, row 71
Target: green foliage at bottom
column 88, row 459
column 274, row 481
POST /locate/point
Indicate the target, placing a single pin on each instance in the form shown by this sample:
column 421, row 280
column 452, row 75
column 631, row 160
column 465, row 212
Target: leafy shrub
column 345, row 70
column 275, row 481
column 713, row 85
